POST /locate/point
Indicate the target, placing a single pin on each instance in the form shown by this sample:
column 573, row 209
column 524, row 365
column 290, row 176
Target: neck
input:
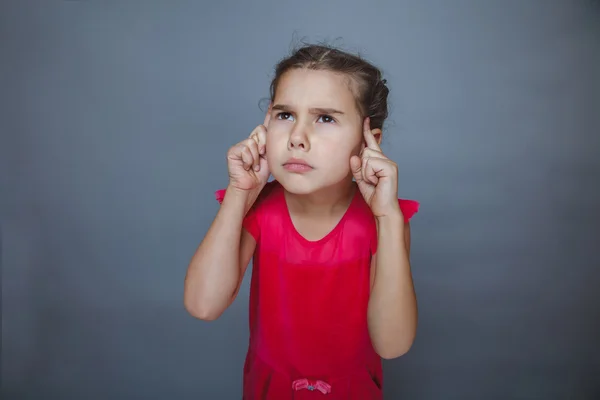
column 325, row 201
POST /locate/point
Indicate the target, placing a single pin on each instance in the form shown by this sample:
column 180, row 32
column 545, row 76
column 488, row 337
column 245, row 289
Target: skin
column 313, row 117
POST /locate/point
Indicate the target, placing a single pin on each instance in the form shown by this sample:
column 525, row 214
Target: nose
column 298, row 141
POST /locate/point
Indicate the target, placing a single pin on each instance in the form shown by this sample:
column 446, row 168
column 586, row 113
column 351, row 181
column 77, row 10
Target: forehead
column 314, row 88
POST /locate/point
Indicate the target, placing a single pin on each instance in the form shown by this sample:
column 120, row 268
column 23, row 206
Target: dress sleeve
column 251, row 220
column 408, row 207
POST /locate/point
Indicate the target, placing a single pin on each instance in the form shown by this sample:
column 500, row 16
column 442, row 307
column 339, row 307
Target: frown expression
column 314, row 129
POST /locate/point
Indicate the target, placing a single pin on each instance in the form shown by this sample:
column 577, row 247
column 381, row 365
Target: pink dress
column 309, row 337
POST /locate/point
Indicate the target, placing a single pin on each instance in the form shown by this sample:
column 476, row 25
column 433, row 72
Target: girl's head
column 320, row 97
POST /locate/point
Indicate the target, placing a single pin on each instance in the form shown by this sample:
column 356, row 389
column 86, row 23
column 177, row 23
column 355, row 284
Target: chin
column 295, row 186
column 303, row 184
column 295, row 183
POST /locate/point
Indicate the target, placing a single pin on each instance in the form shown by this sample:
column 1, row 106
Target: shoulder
column 409, row 208
column 268, row 199
column 255, row 217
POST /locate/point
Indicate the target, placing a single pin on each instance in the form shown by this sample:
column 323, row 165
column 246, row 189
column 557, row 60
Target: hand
column 376, row 176
column 247, row 162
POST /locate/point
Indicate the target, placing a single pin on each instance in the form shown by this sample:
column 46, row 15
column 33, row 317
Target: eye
column 327, row 119
column 284, row 116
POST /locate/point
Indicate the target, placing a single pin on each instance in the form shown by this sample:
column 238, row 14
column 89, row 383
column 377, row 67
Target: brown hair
column 370, row 90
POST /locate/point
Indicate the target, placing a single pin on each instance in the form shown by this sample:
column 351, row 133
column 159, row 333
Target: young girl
column 331, row 290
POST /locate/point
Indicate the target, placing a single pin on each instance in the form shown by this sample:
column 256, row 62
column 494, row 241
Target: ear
column 377, row 134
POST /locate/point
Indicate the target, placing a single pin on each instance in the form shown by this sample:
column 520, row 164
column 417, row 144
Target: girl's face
column 314, row 129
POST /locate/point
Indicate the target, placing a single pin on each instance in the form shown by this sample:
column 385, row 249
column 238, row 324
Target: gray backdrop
column 116, row 116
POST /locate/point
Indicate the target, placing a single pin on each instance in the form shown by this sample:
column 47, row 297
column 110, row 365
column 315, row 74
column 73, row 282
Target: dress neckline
column 332, row 232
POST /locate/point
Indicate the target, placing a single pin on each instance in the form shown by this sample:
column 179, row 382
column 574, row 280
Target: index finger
column 260, row 137
column 369, row 137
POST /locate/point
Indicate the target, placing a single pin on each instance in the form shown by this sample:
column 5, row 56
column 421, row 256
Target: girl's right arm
column 217, row 268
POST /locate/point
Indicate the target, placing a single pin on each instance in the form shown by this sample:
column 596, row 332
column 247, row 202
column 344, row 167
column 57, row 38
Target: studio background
column 115, row 120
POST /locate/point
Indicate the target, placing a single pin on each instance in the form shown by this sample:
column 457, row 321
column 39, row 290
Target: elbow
column 399, row 342
column 202, row 315
column 396, row 349
column 392, row 353
column 200, row 309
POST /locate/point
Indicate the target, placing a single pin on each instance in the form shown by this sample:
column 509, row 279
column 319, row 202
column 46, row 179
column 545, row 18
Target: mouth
column 297, row 165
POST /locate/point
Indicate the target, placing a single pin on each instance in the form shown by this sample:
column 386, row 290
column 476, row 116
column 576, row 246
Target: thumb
column 356, row 167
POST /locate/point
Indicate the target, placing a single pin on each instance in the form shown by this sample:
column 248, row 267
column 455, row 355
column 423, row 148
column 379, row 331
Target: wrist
column 392, row 218
column 236, row 192
column 240, row 197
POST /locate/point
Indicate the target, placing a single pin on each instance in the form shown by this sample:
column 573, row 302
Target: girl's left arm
column 392, row 312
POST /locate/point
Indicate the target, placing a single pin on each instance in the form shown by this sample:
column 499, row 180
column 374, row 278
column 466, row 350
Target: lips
column 297, row 165
column 298, row 161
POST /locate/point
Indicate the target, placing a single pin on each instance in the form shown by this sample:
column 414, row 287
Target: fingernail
column 256, row 167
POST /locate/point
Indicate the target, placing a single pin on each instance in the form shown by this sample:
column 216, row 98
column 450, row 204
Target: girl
column 331, row 290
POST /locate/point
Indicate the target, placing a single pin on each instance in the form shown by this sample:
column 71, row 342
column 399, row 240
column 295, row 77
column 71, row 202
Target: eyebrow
column 314, row 110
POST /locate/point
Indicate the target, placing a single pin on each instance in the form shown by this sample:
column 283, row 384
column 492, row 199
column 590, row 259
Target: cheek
column 357, row 149
column 278, row 131
column 339, row 155
column 276, row 146
column 271, row 152
column 272, row 133
column 345, row 146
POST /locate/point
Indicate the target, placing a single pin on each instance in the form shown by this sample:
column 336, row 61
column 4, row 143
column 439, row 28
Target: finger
column 356, row 168
column 371, row 153
column 368, row 173
column 259, row 134
column 247, row 159
column 377, row 168
column 253, row 147
column 369, row 137
column 262, row 139
column 264, row 171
